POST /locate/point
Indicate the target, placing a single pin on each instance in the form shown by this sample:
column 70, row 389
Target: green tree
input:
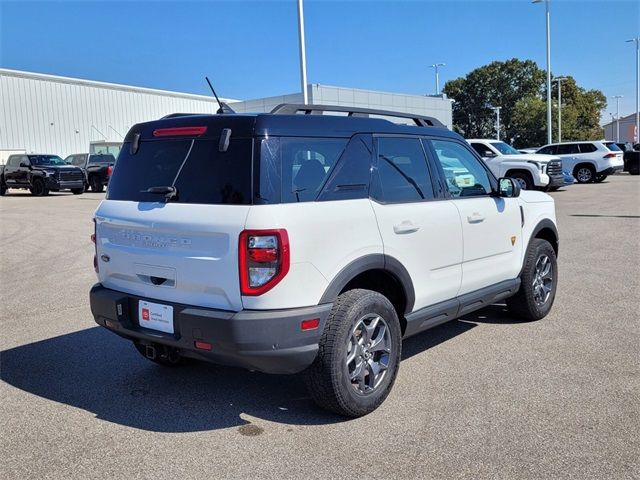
column 519, row 88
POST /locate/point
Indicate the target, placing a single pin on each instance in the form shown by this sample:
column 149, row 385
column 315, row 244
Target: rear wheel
column 538, row 282
column 523, row 179
column 600, row 178
column 77, row 191
column 3, row 190
column 38, row 188
column 584, row 173
column 358, row 356
column 96, row 184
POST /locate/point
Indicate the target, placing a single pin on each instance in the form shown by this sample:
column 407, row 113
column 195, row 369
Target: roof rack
column 294, row 108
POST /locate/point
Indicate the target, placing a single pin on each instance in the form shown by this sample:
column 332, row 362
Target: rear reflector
column 110, row 324
column 202, row 345
column 310, row 324
column 179, row 131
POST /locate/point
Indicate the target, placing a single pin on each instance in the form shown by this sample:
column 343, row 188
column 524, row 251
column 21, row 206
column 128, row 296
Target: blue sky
column 250, row 49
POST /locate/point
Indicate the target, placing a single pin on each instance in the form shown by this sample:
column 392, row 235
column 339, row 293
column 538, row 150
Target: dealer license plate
column 155, row 316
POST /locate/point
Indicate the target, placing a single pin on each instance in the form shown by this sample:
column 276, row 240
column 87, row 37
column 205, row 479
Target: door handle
column 475, row 217
column 405, row 227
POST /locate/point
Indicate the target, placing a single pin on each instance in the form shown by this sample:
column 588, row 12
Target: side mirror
column 489, row 154
column 25, row 164
column 508, row 188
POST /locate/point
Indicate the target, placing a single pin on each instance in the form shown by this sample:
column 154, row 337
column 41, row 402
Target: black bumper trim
column 269, row 341
column 611, row 170
column 556, row 180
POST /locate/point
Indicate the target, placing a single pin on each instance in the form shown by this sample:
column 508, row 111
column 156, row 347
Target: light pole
column 546, row 3
column 497, row 110
column 637, row 133
column 435, row 66
column 303, row 55
column 559, row 79
column 617, row 97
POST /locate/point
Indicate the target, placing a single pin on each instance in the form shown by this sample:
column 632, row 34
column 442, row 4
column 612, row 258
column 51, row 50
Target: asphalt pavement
column 482, row 397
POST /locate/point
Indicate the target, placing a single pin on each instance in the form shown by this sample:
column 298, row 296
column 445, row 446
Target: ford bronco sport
column 300, row 241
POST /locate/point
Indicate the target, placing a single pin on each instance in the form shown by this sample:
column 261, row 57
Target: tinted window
column 505, row 148
column 464, row 173
column 567, row 149
column 196, row 168
column 549, row 150
column 350, row 178
column 402, row 171
column 102, row 159
column 294, row 169
column 613, row 147
column 14, row 161
column 44, row 160
column 587, row 148
column 480, row 148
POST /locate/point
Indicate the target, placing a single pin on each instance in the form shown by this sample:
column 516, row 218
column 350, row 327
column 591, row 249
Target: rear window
column 196, row 168
column 613, row 147
column 102, row 159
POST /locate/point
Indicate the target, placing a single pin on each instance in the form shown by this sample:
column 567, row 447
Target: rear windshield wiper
column 168, row 191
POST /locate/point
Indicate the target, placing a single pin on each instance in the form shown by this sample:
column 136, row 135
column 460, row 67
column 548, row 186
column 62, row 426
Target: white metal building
column 60, row 115
column 627, row 130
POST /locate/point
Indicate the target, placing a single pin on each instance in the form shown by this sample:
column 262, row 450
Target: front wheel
column 538, row 285
column 77, row 191
column 3, row 190
column 524, row 180
column 38, row 188
column 358, row 356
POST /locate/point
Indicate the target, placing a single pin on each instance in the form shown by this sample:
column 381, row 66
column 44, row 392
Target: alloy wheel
column 542, row 280
column 584, row 175
column 368, row 353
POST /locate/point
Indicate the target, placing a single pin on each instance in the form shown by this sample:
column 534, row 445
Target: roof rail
column 294, row 108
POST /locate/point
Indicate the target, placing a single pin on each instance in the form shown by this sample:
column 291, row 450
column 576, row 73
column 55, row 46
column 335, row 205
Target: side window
column 549, row 150
column 567, row 149
column 402, row 172
column 351, row 176
column 587, row 148
column 480, row 148
column 464, row 174
column 69, row 160
column 79, row 160
column 13, row 161
column 23, row 158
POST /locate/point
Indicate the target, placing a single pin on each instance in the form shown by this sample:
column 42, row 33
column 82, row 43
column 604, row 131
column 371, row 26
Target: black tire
column 77, row 191
column 553, row 189
column 38, row 188
column 525, row 304
column 3, row 190
column 96, row 184
column 584, row 173
column 165, row 356
column 328, row 378
column 524, row 179
column 600, row 178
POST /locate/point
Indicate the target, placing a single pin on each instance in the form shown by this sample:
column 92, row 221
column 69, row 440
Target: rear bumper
column 611, row 170
column 269, row 341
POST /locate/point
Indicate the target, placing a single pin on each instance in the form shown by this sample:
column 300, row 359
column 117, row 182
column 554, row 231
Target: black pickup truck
column 40, row 174
column 97, row 168
column 631, row 158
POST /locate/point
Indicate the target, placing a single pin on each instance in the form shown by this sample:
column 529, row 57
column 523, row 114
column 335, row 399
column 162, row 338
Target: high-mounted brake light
column 263, row 257
column 179, row 131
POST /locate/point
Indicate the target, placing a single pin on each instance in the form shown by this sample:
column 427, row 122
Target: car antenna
column 224, row 108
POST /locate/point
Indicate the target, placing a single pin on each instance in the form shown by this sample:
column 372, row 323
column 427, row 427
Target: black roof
column 311, row 124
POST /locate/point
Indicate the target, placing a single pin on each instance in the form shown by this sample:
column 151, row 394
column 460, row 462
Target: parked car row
column 42, row 173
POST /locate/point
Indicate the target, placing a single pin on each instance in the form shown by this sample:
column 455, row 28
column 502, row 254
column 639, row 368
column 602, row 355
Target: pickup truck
column 97, row 168
column 532, row 171
column 40, row 174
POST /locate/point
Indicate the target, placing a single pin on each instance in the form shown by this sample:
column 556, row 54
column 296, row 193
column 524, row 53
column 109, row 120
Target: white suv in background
column 315, row 243
column 531, row 170
column 587, row 161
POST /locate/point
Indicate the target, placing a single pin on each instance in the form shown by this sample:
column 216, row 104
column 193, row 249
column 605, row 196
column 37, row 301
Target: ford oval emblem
column 105, row 258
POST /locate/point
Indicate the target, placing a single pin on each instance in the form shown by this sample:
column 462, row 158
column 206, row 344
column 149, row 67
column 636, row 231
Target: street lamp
column 546, row 3
column 435, row 66
column 637, row 132
column 303, row 55
column 559, row 80
column 497, row 110
column 617, row 97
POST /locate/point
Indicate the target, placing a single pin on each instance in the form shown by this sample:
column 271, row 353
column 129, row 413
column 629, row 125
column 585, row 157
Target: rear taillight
column 610, row 155
column 109, row 170
column 95, row 246
column 263, row 260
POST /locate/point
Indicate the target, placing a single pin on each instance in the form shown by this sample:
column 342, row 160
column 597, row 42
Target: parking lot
column 481, row 397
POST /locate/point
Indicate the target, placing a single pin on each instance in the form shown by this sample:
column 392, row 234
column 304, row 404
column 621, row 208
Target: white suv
column 292, row 243
column 530, row 170
column 587, row 161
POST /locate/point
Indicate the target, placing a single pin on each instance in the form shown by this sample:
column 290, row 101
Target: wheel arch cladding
column 546, row 230
column 377, row 272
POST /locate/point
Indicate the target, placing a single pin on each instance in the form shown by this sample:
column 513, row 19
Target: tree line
column 519, row 88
